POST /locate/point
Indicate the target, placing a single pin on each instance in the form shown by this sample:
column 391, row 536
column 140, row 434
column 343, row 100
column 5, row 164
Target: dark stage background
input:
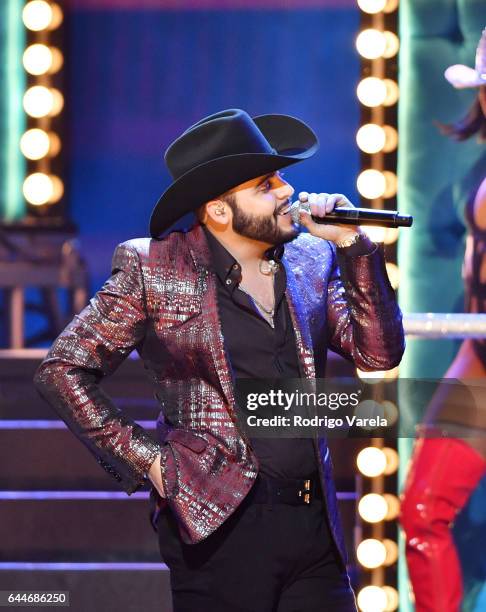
column 137, row 77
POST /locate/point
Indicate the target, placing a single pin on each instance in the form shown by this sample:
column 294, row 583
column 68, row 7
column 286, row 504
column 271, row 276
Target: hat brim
column 462, row 77
column 293, row 141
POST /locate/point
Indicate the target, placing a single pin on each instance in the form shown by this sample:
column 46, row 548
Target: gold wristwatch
column 349, row 241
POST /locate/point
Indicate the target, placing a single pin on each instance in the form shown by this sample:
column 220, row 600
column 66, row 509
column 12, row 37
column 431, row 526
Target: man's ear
column 217, row 211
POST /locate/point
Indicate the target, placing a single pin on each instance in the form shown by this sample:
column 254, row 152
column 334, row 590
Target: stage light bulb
column 38, row 101
column 57, row 189
column 392, row 459
column 390, row 6
column 374, row 232
column 35, row 144
column 393, row 373
column 373, row 508
column 371, row 553
column 38, row 189
column 368, row 409
column 371, row 461
column 55, row 144
column 57, row 16
column 392, row 44
column 372, row 6
column 371, row 138
column 37, row 59
column 391, row 235
column 372, row 91
column 371, row 43
column 379, row 376
column 392, row 599
column 37, row 15
column 391, row 138
column 371, row 184
column 391, row 549
column 393, row 505
column 372, row 599
column 57, row 60
column 391, row 184
column 387, row 235
column 57, row 102
column 391, row 415
column 371, row 376
column 393, row 274
column 391, row 92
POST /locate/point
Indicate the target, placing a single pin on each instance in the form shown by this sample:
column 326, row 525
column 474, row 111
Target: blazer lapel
column 201, row 255
column 303, row 337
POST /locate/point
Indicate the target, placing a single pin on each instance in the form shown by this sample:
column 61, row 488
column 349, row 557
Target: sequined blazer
column 161, row 300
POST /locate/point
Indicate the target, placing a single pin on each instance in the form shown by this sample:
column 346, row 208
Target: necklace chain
column 267, row 313
column 267, row 267
column 270, row 311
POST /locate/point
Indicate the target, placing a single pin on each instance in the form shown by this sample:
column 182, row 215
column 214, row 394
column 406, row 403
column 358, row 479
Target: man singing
column 244, row 525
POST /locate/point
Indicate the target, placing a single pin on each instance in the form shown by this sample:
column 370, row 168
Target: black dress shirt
column 256, row 350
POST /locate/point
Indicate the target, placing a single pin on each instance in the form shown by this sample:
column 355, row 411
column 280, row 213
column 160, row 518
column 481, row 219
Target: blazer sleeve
column 364, row 319
column 91, row 347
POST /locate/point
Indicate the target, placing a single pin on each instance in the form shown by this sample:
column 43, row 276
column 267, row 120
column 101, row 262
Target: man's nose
column 284, row 191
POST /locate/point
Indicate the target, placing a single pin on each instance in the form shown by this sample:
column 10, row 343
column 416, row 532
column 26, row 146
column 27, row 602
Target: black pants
column 264, row 558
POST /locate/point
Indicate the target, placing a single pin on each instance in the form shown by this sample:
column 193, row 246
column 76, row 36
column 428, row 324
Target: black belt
column 299, row 491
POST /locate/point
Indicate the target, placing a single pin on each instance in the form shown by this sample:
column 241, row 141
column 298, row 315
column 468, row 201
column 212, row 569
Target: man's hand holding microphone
column 320, row 204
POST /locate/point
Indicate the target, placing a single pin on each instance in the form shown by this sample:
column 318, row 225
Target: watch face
column 348, row 241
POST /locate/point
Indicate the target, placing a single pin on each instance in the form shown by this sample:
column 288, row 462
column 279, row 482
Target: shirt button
column 235, row 266
column 228, row 281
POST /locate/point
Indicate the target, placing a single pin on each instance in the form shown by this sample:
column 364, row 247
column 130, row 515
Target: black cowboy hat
column 222, row 151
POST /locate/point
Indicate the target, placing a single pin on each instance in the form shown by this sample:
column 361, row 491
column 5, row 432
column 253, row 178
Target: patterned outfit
column 161, row 300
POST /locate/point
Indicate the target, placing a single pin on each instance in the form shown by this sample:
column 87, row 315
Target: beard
column 262, row 228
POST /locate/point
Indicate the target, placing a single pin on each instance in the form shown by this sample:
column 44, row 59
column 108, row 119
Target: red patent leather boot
column 443, row 475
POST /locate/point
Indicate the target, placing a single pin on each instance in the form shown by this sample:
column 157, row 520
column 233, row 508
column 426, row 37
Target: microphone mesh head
column 296, row 208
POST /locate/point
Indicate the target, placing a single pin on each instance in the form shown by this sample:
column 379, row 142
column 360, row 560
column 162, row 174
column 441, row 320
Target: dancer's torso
column 459, row 410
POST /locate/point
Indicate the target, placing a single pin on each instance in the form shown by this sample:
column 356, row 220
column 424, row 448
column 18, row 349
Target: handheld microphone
column 354, row 216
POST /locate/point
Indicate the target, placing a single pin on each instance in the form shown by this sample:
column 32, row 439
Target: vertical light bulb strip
column 43, row 102
column 378, row 112
column 377, row 46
